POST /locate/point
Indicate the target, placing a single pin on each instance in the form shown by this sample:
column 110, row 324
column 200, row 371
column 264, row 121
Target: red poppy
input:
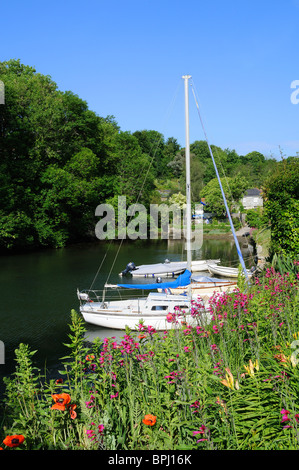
column 149, row 420
column 90, row 357
column 72, row 412
column 61, row 400
column 14, row 441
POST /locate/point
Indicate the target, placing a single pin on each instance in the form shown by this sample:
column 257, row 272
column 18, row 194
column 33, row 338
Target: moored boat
column 226, row 271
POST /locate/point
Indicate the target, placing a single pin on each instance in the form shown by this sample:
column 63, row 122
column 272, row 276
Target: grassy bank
column 228, row 384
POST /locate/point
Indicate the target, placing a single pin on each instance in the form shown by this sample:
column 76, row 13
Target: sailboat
column 154, row 309
column 167, row 269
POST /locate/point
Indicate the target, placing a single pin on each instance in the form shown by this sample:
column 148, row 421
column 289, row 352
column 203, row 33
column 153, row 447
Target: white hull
column 119, row 314
column 226, row 271
column 170, row 269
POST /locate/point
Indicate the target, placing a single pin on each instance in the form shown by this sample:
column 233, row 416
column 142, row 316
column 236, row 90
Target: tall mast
column 188, row 186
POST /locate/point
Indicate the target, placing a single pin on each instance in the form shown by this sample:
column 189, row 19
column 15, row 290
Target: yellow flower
column 229, row 380
column 250, row 368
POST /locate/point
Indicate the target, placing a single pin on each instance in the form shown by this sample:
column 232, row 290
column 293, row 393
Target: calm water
column 38, row 290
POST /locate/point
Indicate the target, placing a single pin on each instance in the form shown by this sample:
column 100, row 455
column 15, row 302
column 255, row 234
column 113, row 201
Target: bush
column 256, row 218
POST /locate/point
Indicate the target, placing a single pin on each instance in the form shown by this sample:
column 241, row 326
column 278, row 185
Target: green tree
column 281, row 195
column 233, row 189
column 57, row 160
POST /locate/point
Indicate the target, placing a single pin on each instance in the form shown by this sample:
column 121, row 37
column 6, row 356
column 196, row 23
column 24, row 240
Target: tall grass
column 232, row 383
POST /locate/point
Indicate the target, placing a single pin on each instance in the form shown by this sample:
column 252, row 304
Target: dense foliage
column 59, row 160
column 281, row 195
column 231, row 383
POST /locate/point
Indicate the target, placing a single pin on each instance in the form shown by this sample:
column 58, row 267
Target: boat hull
column 226, row 271
column 153, row 312
column 206, row 290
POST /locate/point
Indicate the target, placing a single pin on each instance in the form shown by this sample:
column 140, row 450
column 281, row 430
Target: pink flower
column 285, row 417
column 202, row 430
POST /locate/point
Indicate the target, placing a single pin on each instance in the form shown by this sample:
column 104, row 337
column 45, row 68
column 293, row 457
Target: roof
column 253, row 192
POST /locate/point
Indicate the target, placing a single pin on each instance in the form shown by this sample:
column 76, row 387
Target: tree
column 281, row 195
column 233, row 188
column 152, row 144
column 55, row 162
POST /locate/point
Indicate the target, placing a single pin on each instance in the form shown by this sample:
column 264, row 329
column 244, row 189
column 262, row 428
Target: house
column 252, row 199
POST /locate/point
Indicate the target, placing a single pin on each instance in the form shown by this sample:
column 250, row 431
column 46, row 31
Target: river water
column 38, row 290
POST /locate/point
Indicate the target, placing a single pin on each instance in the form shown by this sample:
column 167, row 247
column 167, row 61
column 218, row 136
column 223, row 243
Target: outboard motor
column 130, row 267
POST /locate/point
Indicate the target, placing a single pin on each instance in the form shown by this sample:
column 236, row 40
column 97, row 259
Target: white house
column 252, row 199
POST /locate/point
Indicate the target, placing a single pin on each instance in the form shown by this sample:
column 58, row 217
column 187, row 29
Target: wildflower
column 61, row 401
column 101, row 428
column 202, row 430
column 280, row 357
column 14, row 441
column 91, row 434
column 141, row 336
column 149, row 420
column 59, row 381
column 72, row 412
column 250, row 368
column 229, row 380
column 90, row 357
column 195, row 405
column 285, row 417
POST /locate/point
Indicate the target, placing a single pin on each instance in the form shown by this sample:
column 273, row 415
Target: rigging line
column 218, row 156
column 99, row 268
column 144, row 180
column 157, row 143
column 225, row 202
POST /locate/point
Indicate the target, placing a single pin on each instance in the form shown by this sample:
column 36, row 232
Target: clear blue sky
column 126, row 59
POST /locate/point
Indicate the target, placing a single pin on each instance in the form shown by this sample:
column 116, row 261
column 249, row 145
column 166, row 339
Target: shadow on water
column 38, row 290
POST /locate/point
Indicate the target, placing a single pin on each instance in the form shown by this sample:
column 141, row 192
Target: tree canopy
column 59, row 160
column 281, row 194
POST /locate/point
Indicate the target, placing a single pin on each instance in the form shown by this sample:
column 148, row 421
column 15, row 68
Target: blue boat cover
column 182, row 280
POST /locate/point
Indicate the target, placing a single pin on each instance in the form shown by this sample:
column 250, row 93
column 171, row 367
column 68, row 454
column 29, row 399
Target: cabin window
column 159, row 307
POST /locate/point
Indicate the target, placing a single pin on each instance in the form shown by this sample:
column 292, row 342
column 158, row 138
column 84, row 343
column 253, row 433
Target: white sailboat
column 155, row 308
column 151, row 310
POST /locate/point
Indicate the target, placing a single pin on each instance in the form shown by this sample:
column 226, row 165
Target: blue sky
column 126, row 59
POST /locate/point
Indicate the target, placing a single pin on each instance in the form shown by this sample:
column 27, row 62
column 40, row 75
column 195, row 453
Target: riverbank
column 227, row 384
